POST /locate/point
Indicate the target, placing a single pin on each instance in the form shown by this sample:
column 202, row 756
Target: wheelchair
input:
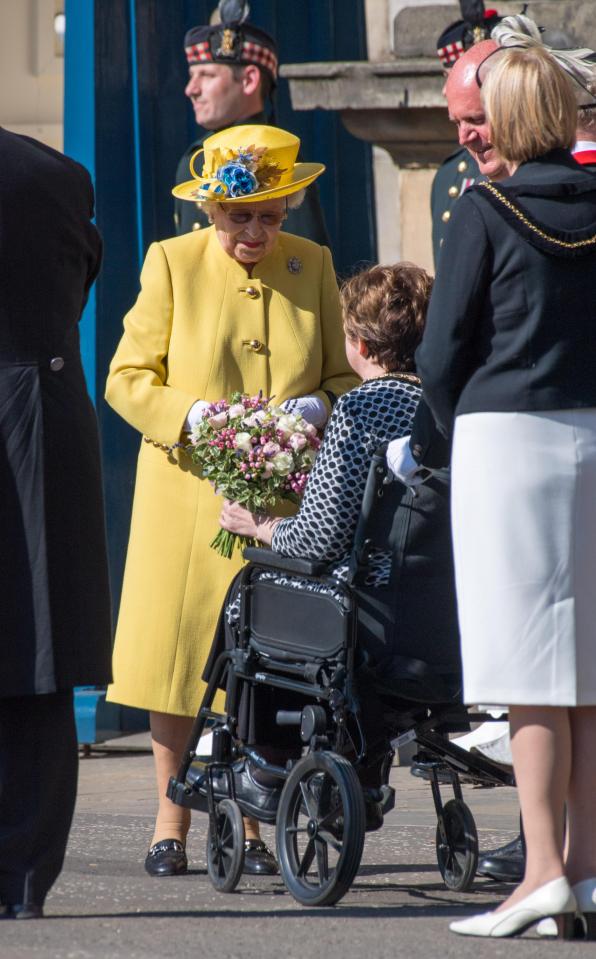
column 307, row 644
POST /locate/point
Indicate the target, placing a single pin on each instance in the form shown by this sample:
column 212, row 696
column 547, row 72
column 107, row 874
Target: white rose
column 218, row 421
column 286, row 424
column 236, row 410
column 242, row 442
column 283, row 463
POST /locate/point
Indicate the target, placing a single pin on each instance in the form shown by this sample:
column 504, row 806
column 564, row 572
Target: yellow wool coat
column 188, row 337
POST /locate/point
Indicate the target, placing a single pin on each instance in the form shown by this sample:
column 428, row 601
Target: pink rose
column 236, row 410
column 270, row 448
column 218, row 421
column 297, row 441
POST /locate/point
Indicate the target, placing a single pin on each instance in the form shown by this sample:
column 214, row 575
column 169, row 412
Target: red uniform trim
column 585, row 157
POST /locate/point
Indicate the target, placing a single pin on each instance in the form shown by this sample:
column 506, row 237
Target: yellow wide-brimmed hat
column 246, row 164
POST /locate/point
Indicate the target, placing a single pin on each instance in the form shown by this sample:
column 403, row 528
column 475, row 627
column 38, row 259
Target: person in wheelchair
column 384, row 311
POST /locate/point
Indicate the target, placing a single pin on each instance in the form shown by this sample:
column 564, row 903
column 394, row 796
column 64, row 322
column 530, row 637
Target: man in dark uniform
column 232, row 73
column 460, row 170
column 56, row 626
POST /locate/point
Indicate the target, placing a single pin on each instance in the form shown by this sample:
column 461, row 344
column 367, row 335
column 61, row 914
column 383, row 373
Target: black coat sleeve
column 445, row 359
column 428, row 445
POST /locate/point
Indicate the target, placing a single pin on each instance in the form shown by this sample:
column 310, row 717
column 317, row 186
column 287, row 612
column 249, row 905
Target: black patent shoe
column 255, row 800
column 258, row 859
column 505, row 864
column 27, row 910
column 166, row 858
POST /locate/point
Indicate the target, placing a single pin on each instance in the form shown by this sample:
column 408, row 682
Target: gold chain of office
column 532, row 226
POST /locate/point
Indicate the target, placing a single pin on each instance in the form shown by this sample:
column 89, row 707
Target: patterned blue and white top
column 376, row 412
column 324, row 528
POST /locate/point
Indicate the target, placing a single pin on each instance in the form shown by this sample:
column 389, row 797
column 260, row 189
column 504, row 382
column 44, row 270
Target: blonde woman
column 507, row 362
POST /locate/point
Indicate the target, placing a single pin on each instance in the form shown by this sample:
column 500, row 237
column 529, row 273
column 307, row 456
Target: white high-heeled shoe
column 554, row 899
column 585, row 893
column 585, row 926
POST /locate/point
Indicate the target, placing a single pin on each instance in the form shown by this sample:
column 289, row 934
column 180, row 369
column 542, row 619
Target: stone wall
column 31, row 70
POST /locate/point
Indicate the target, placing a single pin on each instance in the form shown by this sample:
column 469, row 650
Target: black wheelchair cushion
column 292, row 624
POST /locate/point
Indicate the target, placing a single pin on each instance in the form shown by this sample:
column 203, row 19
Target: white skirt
column 524, row 534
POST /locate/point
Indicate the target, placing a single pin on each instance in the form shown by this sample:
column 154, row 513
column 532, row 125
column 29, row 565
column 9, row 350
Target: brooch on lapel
column 295, row 265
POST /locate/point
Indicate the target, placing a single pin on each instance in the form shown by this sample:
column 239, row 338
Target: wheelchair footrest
column 182, row 794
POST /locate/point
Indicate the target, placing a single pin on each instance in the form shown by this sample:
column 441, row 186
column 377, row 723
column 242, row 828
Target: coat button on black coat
column 56, row 364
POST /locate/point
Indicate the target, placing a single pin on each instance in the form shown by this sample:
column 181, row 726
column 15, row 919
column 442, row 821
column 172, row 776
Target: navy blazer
column 512, row 319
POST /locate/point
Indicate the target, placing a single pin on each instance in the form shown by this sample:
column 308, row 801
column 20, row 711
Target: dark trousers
column 38, row 785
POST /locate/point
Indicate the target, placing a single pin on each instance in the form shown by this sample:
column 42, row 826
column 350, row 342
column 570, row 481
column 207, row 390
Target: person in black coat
column 56, row 623
column 507, row 364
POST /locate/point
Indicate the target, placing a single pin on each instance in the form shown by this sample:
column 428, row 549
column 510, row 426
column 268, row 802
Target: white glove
column 401, row 462
column 311, row 408
column 195, row 415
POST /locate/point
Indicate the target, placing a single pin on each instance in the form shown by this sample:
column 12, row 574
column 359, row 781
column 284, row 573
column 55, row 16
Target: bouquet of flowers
column 253, row 453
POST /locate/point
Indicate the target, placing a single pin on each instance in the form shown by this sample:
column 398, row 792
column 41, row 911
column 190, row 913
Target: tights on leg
column 541, row 748
column 169, row 735
column 581, row 801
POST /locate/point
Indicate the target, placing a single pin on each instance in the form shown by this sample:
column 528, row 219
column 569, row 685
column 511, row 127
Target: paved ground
column 104, row 905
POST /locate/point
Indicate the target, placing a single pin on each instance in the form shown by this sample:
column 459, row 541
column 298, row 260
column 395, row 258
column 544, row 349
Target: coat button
column 446, row 216
column 56, row 364
column 255, row 345
column 417, row 449
column 453, row 191
column 462, row 166
column 252, row 292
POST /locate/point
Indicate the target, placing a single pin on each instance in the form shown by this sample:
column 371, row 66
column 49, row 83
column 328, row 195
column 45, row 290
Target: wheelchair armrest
column 261, row 556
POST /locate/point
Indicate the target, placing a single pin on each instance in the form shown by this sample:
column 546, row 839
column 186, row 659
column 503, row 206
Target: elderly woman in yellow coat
column 238, row 306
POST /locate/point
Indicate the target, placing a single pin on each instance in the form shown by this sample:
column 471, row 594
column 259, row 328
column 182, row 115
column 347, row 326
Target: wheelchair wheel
column 225, row 846
column 457, row 848
column 320, row 829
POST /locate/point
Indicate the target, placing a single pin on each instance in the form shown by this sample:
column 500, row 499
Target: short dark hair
column 385, row 306
column 266, row 87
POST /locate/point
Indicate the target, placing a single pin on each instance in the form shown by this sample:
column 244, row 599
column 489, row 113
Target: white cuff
column 401, row 462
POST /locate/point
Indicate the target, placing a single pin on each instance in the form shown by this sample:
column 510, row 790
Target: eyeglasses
column 493, row 57
column 243, row 218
